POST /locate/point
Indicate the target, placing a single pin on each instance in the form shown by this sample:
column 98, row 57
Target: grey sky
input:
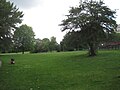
column 26, row 4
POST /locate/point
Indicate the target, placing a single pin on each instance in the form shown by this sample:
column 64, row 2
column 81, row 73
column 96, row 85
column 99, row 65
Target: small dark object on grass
column 12, row 61
column 118, row 76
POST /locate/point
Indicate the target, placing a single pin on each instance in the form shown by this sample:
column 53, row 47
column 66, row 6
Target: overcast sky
column 44, row 16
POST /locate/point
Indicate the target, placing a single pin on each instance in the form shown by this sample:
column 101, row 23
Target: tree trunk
column 22, row 50
column 92, row 49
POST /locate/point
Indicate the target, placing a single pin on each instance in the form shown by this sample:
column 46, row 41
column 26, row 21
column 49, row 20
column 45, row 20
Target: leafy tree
column 37, row 46
column 72, row 41
column 41, row 45
column 53, row 44
column 24, row 38
column 45, row 45
column 93, row 20
column 10, row 16
column 116, row 37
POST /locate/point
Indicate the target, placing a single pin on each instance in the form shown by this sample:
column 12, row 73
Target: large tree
column 24, row 38
column 10, row 16
column 93, row 20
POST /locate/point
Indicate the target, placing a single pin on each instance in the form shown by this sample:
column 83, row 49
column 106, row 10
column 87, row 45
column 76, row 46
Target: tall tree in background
column 93, row 20
column 38, row 46
column 71, row 41
column 53, row 43
column 10, row 16
column 24, row 38
column 45, row 45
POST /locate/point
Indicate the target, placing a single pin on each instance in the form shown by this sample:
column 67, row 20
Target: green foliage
column 37, row 46
column 10, row 16
column 24, row 38
column 116, row 37
column 45, row 45
column 61, row 71
column 93, row 20
column 72, row 41
column 53, row 44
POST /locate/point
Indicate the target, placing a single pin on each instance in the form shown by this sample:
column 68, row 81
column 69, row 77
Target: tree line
column 89, row 25
column 23, row 40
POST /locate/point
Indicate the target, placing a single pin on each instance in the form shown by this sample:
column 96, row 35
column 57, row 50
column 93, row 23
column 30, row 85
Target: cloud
column 26, row 4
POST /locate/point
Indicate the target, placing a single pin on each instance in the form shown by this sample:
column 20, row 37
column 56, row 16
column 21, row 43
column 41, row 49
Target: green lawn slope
column 61, row 71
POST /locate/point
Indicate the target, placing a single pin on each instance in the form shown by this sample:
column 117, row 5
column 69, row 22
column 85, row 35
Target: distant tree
column 53, row 44
column 72, row 41
column 10, row 16
column 116, row 37
column 37, row 46
column 93, row 20
column 45, row 45
column 24, row 38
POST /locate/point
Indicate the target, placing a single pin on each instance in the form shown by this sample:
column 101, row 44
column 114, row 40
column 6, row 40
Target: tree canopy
column 10, row 16
column 93, row 20
column 45, row 45
column 53, row 43
column 24, row 38
column 71, row 41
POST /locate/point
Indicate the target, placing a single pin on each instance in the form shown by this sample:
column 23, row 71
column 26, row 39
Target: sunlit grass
column 61, row 71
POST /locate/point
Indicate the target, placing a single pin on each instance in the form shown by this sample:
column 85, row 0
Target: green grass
column 61, row 71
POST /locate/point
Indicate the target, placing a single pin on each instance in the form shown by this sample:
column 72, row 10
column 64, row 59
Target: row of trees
column 89, row 24
column 23, row 39
column 46, row 45
column 72, row 41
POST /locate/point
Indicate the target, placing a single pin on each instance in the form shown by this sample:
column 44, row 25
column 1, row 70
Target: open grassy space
column 61, row 71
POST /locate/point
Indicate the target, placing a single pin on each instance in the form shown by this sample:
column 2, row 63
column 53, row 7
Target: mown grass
column 61, row 71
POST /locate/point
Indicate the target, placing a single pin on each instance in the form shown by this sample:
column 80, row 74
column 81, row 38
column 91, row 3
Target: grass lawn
column 61, row 71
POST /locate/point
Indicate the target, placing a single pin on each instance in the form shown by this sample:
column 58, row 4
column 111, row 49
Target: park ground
column 61, row 71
